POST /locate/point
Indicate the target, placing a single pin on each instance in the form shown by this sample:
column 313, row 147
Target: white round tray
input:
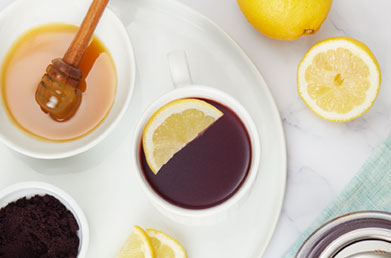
column 103, row 180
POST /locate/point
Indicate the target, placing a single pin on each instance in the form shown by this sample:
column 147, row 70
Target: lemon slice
column 138, row 245
column 339, row 79
column 173, row 126
column 165, row 246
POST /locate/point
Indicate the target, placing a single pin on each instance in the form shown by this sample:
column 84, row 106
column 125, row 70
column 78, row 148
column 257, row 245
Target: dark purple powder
column 39, row 227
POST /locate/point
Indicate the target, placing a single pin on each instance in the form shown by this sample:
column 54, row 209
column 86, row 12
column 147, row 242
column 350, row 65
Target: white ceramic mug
column 184, row 88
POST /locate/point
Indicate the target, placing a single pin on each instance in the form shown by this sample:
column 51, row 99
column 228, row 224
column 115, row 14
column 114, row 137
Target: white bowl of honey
column 34, row 33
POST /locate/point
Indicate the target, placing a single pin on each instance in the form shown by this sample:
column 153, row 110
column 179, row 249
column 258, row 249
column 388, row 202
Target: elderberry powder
column 39, row 227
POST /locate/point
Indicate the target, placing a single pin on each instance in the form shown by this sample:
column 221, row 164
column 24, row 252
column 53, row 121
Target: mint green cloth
column 370, row 189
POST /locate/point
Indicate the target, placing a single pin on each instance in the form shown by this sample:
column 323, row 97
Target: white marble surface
column 322, row 156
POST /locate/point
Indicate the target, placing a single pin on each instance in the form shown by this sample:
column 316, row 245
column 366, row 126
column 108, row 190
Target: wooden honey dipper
column 58, row 93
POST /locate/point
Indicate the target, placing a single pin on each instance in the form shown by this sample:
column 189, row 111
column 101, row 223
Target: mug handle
column 179, row 67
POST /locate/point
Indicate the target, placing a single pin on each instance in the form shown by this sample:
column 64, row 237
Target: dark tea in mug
column 209, row 169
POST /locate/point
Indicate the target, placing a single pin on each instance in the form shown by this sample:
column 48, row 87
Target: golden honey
column 24, row 66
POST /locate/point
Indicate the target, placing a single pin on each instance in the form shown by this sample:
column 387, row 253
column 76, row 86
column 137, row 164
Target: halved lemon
column 165, row 246
column 339, row 79
column 138, row 245
column 173, row 126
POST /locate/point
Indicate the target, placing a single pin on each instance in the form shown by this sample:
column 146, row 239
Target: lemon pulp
column 138, row 245
column 173, row 126
column 339, row 79
column 165, row 246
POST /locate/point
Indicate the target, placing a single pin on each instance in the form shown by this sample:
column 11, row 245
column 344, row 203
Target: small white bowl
column 22, row 15
column 29, row 189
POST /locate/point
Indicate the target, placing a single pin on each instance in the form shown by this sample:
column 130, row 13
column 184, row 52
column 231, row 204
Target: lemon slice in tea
column 173, row 126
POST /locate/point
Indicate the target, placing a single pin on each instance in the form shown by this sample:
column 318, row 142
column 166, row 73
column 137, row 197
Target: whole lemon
column 285, row 19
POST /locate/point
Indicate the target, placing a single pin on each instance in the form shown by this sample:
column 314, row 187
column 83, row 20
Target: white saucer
column 103, row 180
